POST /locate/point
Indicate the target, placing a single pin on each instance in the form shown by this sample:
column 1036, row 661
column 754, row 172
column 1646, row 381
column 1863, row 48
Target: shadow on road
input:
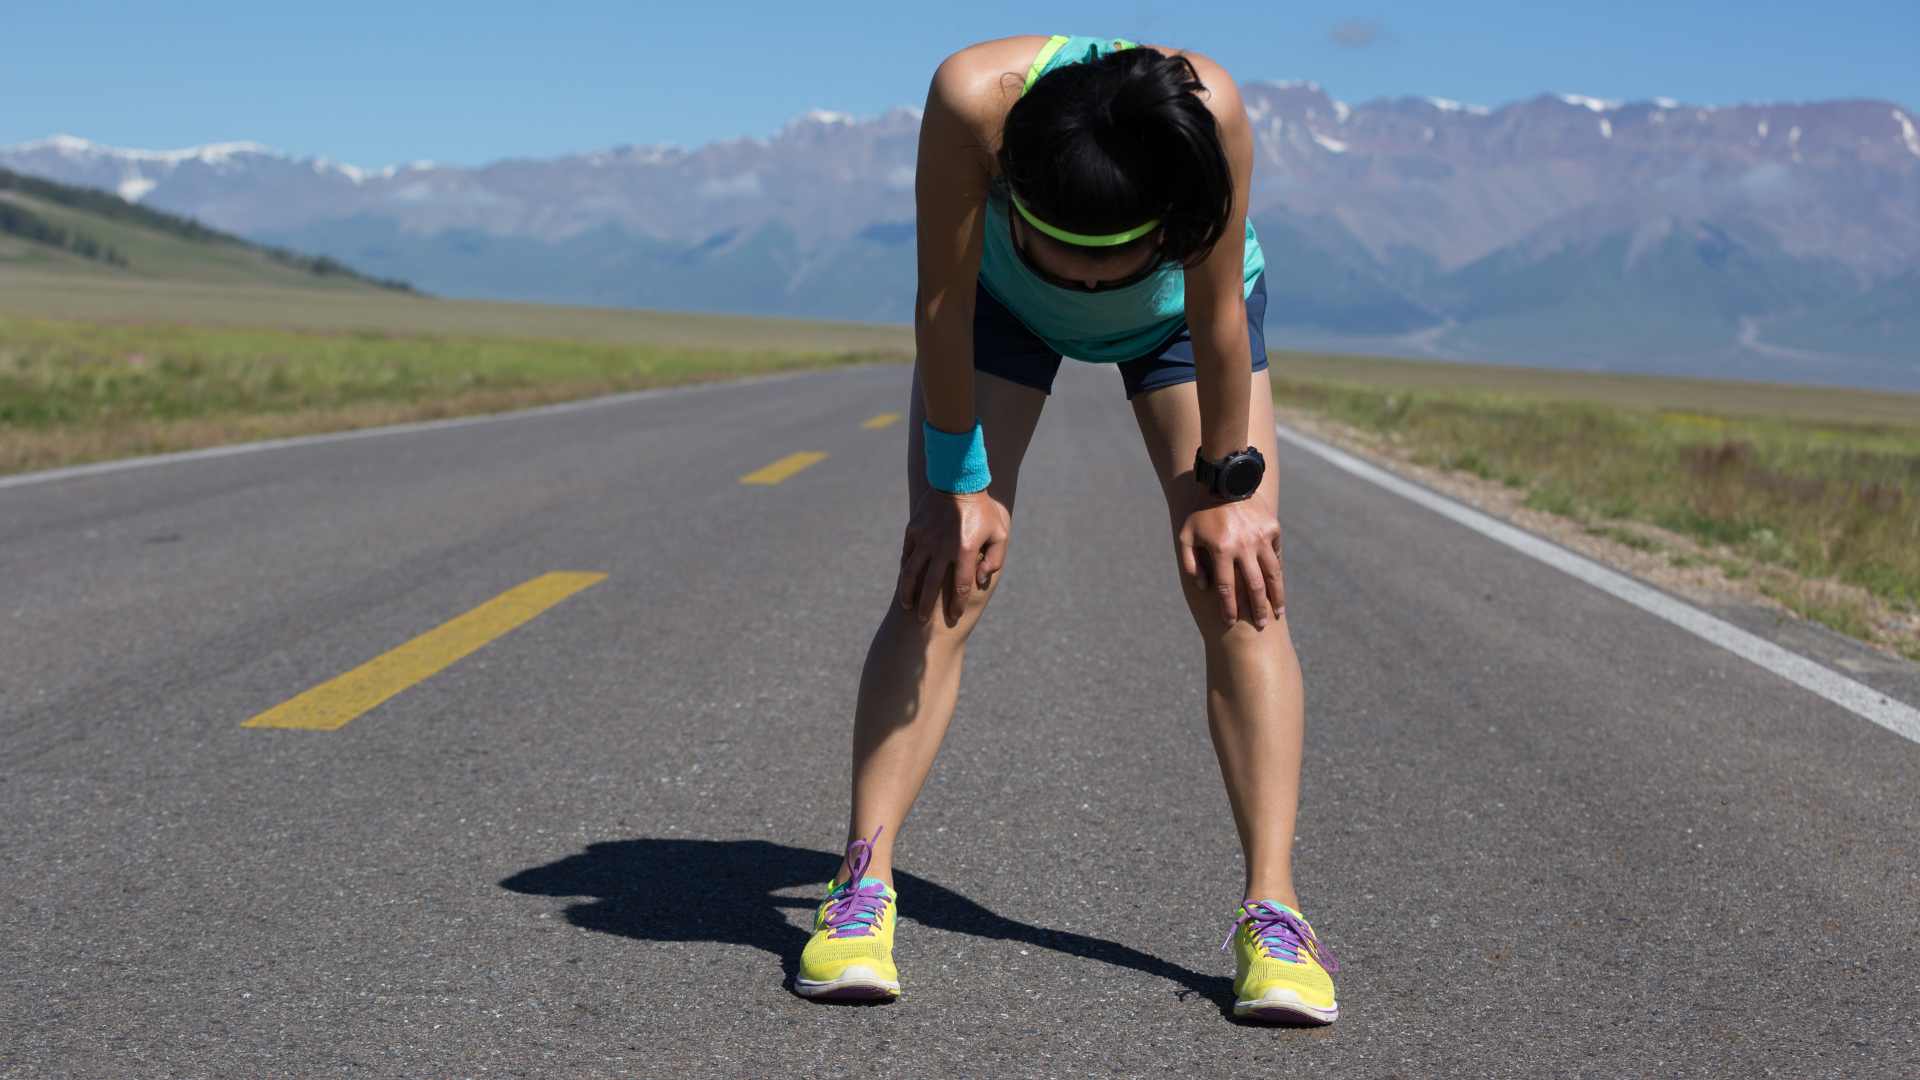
column 636, row 886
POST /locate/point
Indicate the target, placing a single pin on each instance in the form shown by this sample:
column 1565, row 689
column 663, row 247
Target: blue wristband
column 956, row 463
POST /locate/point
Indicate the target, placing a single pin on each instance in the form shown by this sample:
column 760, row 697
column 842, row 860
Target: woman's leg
column 1255, row 710
column 912, row 674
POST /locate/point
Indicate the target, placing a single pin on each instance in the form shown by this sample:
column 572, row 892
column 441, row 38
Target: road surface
column 1547, row 833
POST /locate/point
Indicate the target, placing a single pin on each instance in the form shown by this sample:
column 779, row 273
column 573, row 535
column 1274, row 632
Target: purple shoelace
column 851, row 913
column 1283, row 934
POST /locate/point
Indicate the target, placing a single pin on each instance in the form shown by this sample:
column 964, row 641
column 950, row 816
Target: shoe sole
column 854, row 984
column 1285, row 1007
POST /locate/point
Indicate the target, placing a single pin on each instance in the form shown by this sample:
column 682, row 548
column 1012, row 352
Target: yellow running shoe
column 850, row 956
column 1280, row 970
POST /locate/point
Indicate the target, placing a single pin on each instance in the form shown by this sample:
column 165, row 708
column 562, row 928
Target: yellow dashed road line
column 334, row 703
column 784, row 468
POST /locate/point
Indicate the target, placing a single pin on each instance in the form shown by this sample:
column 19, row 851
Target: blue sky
column 374, row 84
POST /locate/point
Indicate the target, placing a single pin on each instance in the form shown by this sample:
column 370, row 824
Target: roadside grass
column 83, row 294
column 1825, row 501
column 82, row 391
column 1712, row 399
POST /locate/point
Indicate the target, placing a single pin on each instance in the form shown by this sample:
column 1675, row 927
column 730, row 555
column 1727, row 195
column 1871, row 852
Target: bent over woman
column 1095, row 209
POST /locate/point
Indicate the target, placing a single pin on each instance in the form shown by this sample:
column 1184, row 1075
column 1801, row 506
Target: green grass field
column 184, row 340
column 90, row 294
column 73, row 391
column 1715, row 396
column 50, row 226
column 1828, row 499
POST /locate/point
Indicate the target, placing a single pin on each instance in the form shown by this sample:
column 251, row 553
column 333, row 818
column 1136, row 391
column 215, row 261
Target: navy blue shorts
column 1003, row 346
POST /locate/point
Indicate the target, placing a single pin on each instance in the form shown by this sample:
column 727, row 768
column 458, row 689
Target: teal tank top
column 1102, row 327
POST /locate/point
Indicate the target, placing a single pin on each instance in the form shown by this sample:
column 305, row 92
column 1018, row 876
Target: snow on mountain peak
column 213, row 153
column 74, row 146
column 351, row 172
column 1330, row 144
column 834, row 118
column 142, row 170
column 1907, row 132
column 1598, row 105
column 1450, row 105
column 360, row 176
column 66, row 144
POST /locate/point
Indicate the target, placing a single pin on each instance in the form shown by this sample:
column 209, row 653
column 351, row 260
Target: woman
column 1095, row 209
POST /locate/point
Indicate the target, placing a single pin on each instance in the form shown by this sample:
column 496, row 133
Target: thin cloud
column 1357, row 33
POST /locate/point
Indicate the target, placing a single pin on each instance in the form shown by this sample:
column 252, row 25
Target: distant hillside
column 49, row 224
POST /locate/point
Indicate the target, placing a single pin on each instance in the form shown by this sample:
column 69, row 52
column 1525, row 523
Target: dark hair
column 1102, row 146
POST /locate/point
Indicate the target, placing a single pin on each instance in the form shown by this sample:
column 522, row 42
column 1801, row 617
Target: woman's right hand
column 954, row 543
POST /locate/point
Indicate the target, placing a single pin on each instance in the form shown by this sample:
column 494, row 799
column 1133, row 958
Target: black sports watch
column 1235, row 476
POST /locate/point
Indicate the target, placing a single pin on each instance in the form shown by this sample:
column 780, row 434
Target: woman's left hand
column 1232, row 547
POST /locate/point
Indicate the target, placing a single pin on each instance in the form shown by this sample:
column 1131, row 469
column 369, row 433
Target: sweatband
column 956, row 463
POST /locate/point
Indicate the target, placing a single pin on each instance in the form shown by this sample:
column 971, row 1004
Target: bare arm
column 1236, row 542
column 954, row 542
column 1216, row 296
column 950, row 189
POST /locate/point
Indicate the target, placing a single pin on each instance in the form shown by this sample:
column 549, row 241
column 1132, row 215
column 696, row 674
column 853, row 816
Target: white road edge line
column 71, row 471
column 1859, row 699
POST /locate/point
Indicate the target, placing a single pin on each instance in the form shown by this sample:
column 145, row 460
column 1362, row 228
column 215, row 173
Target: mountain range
column 1756, row 241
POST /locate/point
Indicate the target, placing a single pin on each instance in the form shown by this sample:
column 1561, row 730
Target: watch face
column 1242, row 477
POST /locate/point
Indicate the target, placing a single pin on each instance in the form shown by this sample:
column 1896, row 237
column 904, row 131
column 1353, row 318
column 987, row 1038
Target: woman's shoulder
column 984, row 79
column 981, row 81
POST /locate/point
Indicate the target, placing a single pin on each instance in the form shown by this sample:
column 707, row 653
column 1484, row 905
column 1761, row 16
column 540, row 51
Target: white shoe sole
column 1284, row 1006
column 854, row 984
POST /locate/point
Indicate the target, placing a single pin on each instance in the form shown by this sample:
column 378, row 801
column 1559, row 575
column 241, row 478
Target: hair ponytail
column 1103, row 146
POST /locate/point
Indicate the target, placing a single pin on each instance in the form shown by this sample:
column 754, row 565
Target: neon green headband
column 1082, row 239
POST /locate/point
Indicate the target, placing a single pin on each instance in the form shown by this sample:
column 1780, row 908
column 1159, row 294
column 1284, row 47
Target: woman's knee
column 1207, row 606
column 972, row 605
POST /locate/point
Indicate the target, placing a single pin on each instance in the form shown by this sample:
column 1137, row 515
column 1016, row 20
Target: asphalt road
column 1546, row 833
